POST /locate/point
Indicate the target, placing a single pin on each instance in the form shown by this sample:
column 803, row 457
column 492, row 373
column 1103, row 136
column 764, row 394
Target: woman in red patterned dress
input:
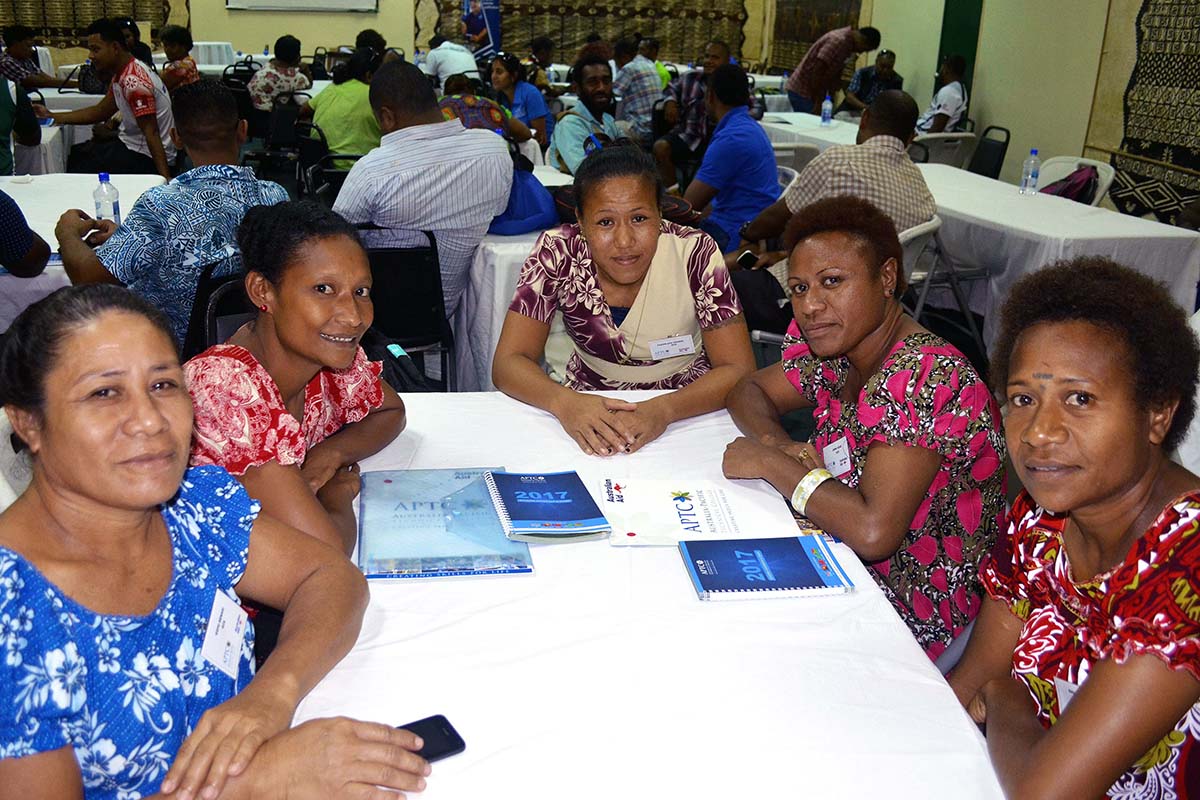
column 906, row 465
column 1085, row 662
column 290, row 403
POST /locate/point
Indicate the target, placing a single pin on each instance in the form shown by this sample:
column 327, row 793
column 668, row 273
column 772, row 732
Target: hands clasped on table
column 605, row 426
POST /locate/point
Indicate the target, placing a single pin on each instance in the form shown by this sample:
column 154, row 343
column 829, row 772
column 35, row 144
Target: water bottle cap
column 104, row 177
column 1033, row 152
column 827, row 97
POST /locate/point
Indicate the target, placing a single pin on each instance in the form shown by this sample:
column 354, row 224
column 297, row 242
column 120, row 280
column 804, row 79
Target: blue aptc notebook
column 433, row 523
column 738, row 569
column 546, row 507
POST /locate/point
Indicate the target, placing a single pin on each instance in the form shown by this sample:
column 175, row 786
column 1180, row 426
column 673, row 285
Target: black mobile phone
column 747, row 259
column 441, row 740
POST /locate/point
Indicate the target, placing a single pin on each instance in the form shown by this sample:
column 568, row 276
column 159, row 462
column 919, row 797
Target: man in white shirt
column 447, row 58
column 144, row 142
column 950, row 102
column 428, row 174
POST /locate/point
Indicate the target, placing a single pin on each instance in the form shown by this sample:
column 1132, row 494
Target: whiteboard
column 303, row 5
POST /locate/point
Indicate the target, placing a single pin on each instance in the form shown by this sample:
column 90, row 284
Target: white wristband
column 807, row 485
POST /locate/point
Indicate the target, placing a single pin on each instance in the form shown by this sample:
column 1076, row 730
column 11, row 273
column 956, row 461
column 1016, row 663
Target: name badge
column 672, row 346
column 1066, row 693
column 837, row 457
column 226, row 629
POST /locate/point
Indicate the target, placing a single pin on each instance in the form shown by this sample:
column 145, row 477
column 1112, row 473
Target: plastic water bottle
column 108, row 200
column 1029, row 173
column 266, row 50
column 783, row 81
column 827, row 112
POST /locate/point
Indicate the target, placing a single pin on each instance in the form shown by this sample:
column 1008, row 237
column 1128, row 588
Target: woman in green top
column 343, row 111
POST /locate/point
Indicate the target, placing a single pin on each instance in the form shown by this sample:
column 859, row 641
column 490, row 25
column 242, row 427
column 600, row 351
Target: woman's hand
column 341, row 489
column 225, row 741
column 594, row 423
column 977, row 708
column 320, row 464
column 803, row 452
column 746, row 458
column 645, row 423
column 327, row 758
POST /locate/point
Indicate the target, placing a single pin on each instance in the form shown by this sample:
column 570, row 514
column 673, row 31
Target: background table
column 43, row 200
column 987, row 224
column 491, row 282
column 602, row 674
column 807, row 128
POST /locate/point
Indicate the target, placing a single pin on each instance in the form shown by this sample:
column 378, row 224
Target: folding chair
column 946, row 148
column 916, row 242
column 990, row 152
column 220, row 308
column 1059, row 167
column 794, row 154
column 409, row 304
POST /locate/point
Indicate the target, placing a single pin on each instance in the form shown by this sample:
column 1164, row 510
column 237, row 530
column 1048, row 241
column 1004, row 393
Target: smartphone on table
column 441, row 740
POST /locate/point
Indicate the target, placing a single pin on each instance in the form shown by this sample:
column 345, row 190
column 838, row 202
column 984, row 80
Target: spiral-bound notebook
column 743, row 569
column 546, row 507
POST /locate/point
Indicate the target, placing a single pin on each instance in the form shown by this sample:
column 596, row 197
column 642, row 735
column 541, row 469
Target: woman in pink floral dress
column 647, row 305
column 907, row 463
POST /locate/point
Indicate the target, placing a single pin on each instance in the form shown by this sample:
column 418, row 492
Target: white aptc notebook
column 658, row 512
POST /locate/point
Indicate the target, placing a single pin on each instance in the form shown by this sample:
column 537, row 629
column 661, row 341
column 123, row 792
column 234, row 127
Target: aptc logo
column 677, row 496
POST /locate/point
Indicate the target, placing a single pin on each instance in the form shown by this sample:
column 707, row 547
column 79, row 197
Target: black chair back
column 325, row 178
column 988, row 158
column 918, row 152
column 220, row 308
column 239, row 73
column 409, row 305
column 281, row 133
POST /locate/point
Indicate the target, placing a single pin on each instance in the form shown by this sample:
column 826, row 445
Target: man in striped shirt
column 428, row 174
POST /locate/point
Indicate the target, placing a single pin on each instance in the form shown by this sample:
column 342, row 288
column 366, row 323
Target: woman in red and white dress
column 1085, row 662
column 290, row 403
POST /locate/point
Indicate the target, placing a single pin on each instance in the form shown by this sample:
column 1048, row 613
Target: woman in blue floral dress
column 127, row 663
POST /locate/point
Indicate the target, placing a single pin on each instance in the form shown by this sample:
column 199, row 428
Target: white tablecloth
column 43, row 200
column 205, row 53
column 807, row 128
column 50, row 155
column 986, row 223
column 69, row 100
column 602, row 674
column 489, row 290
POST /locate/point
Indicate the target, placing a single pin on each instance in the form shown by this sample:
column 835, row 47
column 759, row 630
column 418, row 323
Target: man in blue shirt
column 589, row 125
column 737, row 176
column 174, row 231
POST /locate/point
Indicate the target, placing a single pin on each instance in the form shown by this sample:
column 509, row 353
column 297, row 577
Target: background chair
column 220, row 308
column 1059, row 167
column 409, row 305
column 914, row 240
column 786, row 176
column 946, row 148
column 989, row 154
column 941, row 274
column 16, row 468
column 795, row 155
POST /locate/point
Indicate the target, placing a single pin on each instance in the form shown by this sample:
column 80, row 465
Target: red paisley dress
column 1147, row 604
column 241, row 420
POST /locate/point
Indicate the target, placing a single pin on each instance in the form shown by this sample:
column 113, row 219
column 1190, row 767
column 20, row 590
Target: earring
column 263, row 308
column 889, row 294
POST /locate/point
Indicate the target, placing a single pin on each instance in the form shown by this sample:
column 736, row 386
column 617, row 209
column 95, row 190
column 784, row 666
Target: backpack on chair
column 1079, row 186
